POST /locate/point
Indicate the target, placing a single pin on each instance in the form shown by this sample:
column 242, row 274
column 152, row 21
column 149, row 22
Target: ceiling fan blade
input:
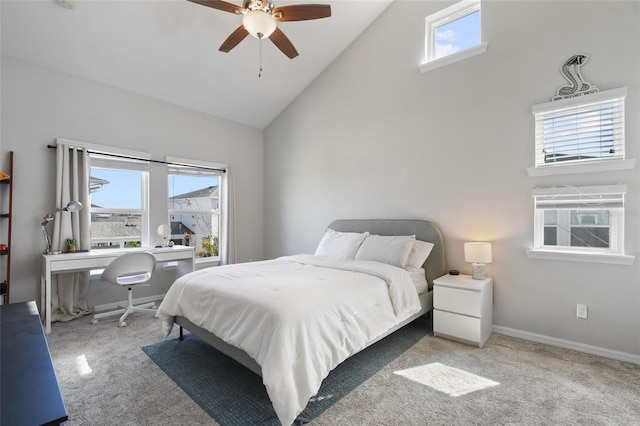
column 301, row 12
column 220, row 5
column 232, row 41
column 282, row 42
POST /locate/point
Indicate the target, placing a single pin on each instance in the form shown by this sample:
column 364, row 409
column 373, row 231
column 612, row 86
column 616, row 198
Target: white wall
column 39, row 105
column 374, row 138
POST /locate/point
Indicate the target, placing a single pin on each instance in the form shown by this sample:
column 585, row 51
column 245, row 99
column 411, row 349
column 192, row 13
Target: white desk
column 99, row 259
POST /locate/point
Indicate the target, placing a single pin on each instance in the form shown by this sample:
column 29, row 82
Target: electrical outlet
column 581, row 311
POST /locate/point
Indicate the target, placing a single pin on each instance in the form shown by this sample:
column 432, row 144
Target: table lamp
column 478, row 254
column 164, row 231
column 72, row 206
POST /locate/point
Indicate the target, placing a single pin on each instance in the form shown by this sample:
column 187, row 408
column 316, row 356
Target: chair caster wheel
column 123, row 324
column 94, row 321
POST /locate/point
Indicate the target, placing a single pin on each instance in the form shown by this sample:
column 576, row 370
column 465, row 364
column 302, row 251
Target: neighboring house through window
column 194, row 208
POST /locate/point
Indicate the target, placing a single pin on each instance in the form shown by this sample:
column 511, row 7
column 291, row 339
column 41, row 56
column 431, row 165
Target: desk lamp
column 164, row 231
column 478, row 254
column 72, row 206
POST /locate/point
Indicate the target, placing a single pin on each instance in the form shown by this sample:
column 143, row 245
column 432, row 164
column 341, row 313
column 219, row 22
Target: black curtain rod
column 149, row 160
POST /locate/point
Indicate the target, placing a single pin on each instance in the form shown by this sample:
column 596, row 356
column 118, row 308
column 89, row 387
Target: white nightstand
column 463, row 308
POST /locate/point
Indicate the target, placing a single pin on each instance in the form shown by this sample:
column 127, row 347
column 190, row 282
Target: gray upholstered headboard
column 434, row 266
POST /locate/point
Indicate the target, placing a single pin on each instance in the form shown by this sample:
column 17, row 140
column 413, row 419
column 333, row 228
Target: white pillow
column 340, row 245
column 419, row 253
column 419, row 279
column 393, row 250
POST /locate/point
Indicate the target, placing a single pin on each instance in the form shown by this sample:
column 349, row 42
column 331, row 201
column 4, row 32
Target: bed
column 295, row 318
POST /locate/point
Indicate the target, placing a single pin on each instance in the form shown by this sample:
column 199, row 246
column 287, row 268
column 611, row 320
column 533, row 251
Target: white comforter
column 297, row 316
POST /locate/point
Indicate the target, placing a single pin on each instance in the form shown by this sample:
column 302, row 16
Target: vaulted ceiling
column 168, row 50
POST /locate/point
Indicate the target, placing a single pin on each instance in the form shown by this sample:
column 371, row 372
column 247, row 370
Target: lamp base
column 52, row 252
column 477, row 271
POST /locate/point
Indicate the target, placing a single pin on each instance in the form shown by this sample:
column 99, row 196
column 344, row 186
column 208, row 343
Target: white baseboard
column 115, row 305
column 568, row 344
column 525, row 335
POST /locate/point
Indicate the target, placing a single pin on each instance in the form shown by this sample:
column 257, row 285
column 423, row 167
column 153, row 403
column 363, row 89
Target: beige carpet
column 106, row 379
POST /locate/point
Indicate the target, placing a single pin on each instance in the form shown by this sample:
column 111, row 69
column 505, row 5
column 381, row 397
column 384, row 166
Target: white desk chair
column 129, row 270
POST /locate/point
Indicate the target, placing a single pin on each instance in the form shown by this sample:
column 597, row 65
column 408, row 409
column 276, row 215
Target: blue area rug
column 235, row 396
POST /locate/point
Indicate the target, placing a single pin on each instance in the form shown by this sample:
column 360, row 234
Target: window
column 583, row 220
column 118, row 191
column 120, row 197
column 577, row 228
column 195, row 206
column 580, row 131
column 453, row 34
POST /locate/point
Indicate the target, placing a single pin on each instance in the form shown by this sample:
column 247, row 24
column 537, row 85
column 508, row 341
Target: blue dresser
column 29, row 390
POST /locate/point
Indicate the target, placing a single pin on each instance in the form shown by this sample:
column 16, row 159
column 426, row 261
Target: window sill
column 614, row 259
column 455, row 57
column 594, row 167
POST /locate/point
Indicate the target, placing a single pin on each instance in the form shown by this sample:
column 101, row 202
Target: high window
column 453, row 34
column 580, row 130
column 119, row 202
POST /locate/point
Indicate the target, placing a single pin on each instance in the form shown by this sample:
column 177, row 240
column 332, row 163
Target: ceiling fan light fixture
column 259, row 24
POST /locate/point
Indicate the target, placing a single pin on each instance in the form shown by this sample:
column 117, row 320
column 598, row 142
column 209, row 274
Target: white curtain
column 69, row 291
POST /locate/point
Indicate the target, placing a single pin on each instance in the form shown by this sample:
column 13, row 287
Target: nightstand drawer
column 459, row 301
column 457, row 326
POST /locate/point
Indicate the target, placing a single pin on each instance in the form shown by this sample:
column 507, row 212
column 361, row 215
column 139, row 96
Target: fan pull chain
column 260, row 57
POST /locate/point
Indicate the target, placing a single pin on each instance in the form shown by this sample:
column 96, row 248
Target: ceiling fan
column 260, row 18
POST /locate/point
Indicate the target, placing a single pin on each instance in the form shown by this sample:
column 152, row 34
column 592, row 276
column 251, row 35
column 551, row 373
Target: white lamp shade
column 477, row 252
column 164, row 231
column 259, row 22
column 73, row 206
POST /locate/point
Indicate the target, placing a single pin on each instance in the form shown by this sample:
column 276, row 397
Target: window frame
column 443, row 17
column 221, row 170
column 590, row 196
column 157, row 199
column 109, row 161
column 591, row 165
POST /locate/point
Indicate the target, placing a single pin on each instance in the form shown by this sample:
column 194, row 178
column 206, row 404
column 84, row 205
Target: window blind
column 574, row 198
column 182, row 169
column 183, row 166
column 109, row 161
column 586, row 128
